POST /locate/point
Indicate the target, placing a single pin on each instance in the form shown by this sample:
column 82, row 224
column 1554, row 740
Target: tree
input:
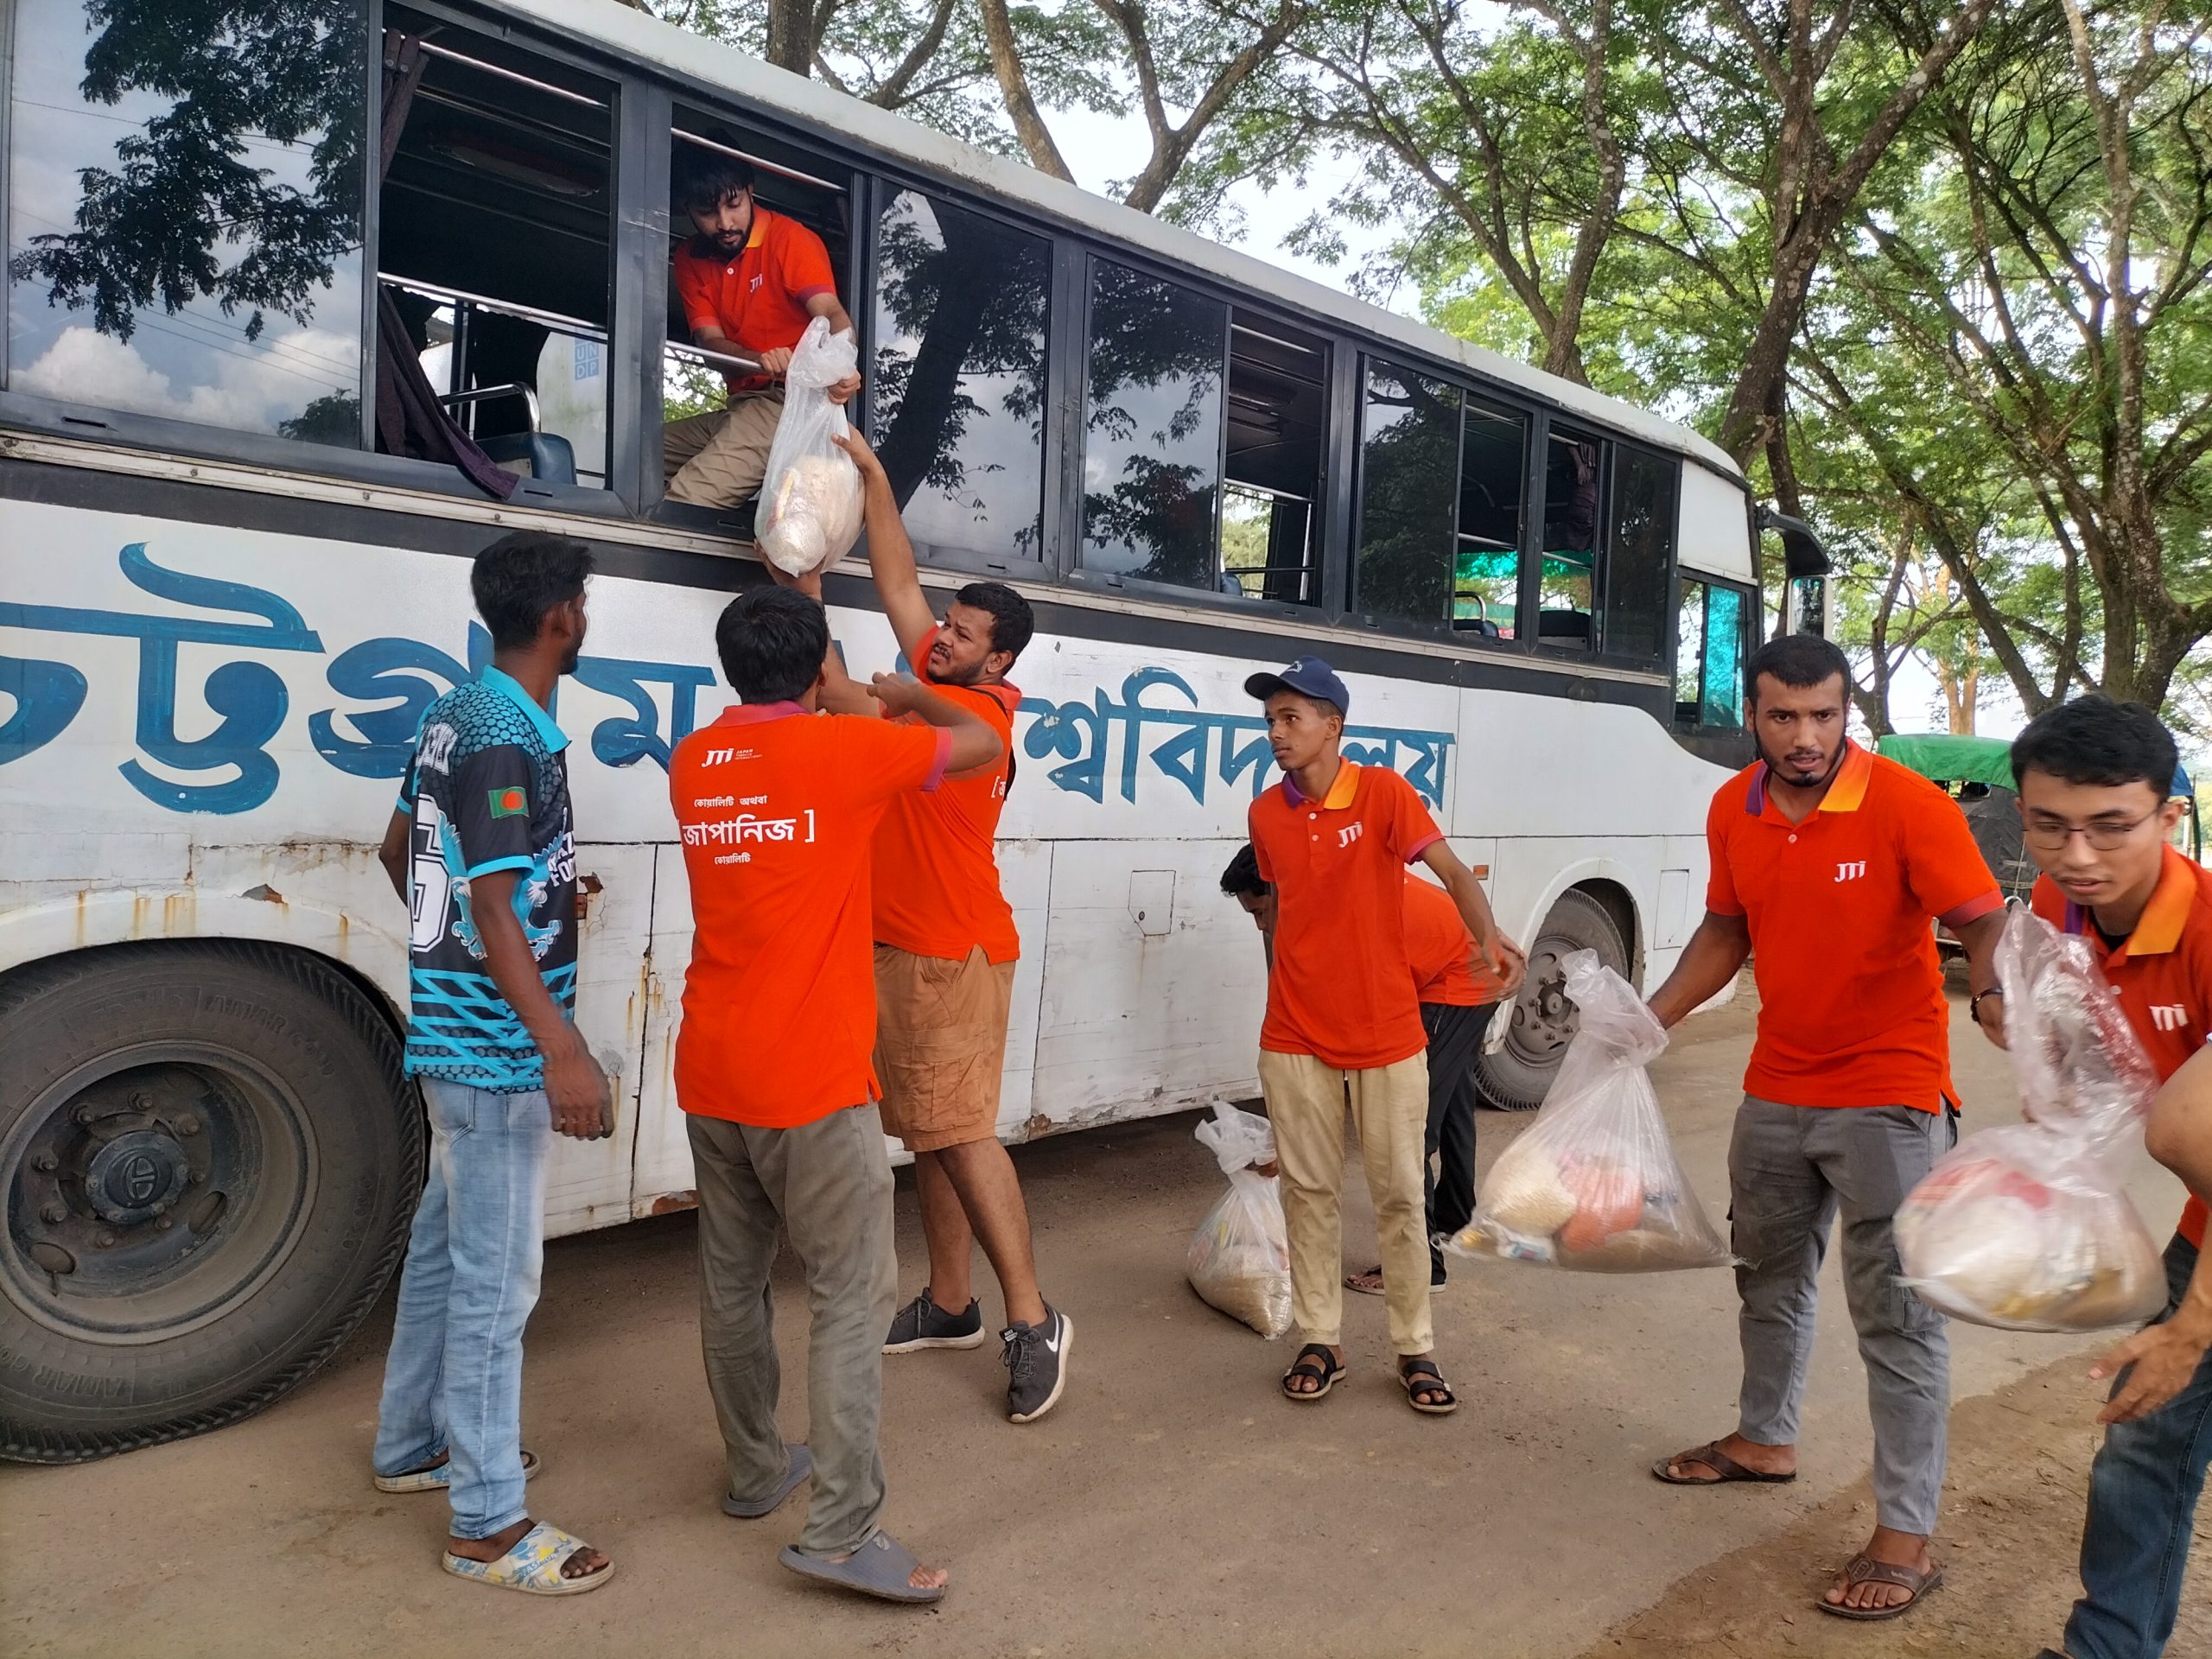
column 2046, row 282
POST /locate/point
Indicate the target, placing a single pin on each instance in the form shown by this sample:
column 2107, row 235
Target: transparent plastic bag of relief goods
column 810, row 510
column 1592, row 1184
column 2025, row 1226
column 1239, row 1258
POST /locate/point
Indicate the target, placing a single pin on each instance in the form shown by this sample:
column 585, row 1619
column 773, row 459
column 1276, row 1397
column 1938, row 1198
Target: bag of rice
column 1239, row 1258
column 810, row 508
column 1593, row 1184
column 2025, row 1227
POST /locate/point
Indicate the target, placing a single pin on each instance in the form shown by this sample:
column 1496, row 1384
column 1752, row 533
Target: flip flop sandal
column 533, row 1565
column 1358, row 1281
column 798, row 1464
column 438, row 1479
column 1865, row 1569
column 879, row 1567
column 1325, row 1373
column 1420, row 1376
column 1721, row 1463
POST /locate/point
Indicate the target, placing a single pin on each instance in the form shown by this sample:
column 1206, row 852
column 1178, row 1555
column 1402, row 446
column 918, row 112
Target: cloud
column 247, row 387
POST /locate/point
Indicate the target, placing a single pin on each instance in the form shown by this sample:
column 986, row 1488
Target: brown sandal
column 1721, row 1463
column 1865, row 1569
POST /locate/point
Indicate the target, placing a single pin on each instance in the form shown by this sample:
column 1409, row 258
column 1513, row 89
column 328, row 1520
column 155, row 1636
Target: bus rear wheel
column 1543, row 1021
column 209, row 1156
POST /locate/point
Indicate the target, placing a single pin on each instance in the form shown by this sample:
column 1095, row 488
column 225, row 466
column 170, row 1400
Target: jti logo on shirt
column 1851, row 872
column 1349, row 834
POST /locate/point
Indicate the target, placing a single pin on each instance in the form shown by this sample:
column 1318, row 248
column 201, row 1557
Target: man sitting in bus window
column 751, row 280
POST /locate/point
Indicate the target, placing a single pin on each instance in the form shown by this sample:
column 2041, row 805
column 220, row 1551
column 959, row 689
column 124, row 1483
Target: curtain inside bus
column 411, row 421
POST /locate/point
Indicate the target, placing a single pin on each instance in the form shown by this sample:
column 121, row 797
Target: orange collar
column 1340, row 791
column 1846, row 794
column 2158, row 930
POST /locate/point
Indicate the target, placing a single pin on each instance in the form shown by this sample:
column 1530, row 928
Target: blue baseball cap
column 1309, row 677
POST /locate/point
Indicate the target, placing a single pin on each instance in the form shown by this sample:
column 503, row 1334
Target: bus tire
column 1517, row 1076
column 210, row 1157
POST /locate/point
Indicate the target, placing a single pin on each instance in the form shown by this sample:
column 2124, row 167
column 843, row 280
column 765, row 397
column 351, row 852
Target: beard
column 1790, row 776
column 954, row 674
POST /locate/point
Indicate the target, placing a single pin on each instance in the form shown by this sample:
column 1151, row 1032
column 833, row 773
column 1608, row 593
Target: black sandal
column 1419, row 1375
column 1326, row 1373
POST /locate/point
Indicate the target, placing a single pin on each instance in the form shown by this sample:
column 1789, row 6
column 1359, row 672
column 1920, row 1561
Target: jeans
column 827, row 1186
column 453, row 1380
column 2143, row 1492
column 1791, row 1169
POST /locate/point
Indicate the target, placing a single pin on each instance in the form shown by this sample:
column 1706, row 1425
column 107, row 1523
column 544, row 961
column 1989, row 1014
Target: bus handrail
column 569, row 325
column 485, row 394
column 729, row 362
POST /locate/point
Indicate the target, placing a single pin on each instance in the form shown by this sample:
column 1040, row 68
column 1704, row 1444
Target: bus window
column 1409, row 496
column 957, row 387
column 494, row 243
column 775, row 204
column 1574, row 488
column 1152, row 449
column 1709, row 654
column 1639, row 548
column 1486, row 563
column 184, row 215
column 1277, row 415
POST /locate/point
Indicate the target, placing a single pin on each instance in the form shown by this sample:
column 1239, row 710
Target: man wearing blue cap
column 1343, row 1028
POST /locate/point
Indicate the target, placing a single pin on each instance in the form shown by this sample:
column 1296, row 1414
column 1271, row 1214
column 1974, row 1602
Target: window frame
column 1534, row 418
column 1074, row 396
column 881, row 187
column 1670, row 572
column 191, row 440
column 1747, row 625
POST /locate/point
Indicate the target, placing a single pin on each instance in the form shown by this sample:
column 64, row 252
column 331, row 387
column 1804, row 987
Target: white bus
column 233, row 571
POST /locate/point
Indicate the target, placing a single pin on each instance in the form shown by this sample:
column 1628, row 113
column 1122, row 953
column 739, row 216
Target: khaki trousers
column 718, row 459
column 1307, row 1101
column 828, row 1184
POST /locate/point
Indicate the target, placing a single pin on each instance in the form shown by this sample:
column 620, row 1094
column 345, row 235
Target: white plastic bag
column 2025, row 1227
column 1593, row 1184
column 810, row 509
column 1240, row 1257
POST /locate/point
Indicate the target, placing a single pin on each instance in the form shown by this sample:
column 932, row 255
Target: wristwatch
column 1973, row 1002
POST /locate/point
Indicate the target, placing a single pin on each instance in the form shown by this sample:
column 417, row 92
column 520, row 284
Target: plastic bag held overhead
column 810, row 510
column 2024, row 1226
column 1594, row 1185
column 1239, row 1257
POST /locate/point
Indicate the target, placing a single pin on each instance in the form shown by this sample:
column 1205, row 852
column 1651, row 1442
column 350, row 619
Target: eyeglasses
column 2106, row 836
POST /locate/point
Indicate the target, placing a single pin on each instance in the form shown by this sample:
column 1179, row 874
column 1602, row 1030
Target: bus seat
column 1563, row 625
column 545, row 456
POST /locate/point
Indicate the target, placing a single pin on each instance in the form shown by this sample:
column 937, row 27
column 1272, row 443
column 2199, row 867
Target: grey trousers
column 1791, row 1170
column 828, row 1184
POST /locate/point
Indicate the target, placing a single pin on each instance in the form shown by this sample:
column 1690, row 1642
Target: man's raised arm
column 890, row 554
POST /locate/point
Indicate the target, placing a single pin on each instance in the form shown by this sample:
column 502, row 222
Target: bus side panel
column 1153, row 984
column 202, row 731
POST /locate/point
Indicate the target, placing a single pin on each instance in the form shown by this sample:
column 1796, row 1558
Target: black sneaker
column 1036, row 1359
column 922, row 1324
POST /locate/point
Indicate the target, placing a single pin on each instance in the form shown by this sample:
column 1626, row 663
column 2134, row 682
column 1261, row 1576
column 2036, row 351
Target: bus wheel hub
column 136, row 1177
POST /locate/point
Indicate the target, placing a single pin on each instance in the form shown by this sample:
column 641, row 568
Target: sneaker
column 1036, row 1359
column 922, row 1324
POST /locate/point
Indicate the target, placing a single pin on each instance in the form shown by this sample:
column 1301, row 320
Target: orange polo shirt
column 2163, row 972
column 759, row 299
column 1852, row 1010
column 936, row 872
column 776, row 808
column 1342, row 985
column 1442, row 950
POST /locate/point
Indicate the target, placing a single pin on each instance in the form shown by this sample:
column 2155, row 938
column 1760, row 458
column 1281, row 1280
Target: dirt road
column 1171, row 1505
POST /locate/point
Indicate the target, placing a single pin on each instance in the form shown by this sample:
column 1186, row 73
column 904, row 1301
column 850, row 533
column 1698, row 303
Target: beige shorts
column 940, row 1045
column 718, row 459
